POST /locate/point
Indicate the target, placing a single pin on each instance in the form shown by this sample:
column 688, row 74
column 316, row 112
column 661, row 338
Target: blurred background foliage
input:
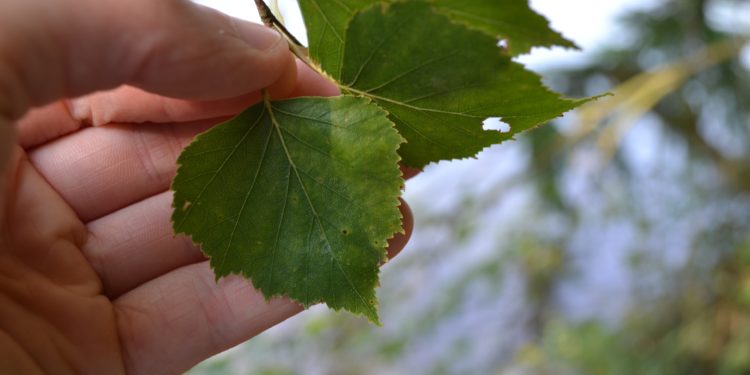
column 615, row 241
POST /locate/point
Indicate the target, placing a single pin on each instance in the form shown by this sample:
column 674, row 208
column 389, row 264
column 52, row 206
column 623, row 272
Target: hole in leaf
column 494, row 123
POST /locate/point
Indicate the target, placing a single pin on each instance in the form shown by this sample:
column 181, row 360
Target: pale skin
column 92, row 280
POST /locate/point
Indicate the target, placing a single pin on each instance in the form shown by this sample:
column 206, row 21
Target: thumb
column 65, row 48
column 169, row 47
column 6, row 149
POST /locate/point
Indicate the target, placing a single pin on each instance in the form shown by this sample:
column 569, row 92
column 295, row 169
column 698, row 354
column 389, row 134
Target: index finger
column 129, row 104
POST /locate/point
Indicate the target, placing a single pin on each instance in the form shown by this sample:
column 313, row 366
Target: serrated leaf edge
column 373, row 306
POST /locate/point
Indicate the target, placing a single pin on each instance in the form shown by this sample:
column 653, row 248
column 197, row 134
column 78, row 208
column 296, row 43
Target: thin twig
column 299, row 50
column 266, row 15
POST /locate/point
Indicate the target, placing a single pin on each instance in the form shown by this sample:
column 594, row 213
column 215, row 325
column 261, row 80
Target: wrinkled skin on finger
column 79, row 293
column 56, row 316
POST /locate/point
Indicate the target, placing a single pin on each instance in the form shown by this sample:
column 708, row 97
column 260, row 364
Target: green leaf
column 300, row 195
column 511, row 20
column 326, row 22
column 439, row 81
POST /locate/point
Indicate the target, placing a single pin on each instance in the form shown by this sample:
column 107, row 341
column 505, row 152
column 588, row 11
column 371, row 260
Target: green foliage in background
column 690, row 318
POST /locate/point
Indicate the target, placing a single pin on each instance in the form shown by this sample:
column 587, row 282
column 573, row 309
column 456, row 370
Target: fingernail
column 257, row 36
column 80, row 109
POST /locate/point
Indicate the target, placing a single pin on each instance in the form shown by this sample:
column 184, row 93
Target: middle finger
column 102, row 169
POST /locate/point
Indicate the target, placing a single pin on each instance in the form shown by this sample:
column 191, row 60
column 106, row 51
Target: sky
column 589, row 23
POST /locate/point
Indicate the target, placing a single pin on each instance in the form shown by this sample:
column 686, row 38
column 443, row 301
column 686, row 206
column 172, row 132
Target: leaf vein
column 374, row 52
column 318, row 120
column 406, row 73
column 328, row 21
column 314, row 148
column 247, row 196
column 445, row 148
column 278, row 227
column 416, row 108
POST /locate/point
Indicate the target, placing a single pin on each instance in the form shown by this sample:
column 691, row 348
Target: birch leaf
column 300, row 196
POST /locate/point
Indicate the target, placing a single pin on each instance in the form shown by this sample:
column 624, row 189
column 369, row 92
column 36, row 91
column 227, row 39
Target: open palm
column 92, row 279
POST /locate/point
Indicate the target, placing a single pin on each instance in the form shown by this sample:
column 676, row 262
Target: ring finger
column 136, row 244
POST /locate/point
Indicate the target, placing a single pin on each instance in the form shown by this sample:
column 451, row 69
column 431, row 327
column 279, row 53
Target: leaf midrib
column 401, row 103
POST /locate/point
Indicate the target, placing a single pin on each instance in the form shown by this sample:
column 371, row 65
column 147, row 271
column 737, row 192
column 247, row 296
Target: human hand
column 92, row 279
